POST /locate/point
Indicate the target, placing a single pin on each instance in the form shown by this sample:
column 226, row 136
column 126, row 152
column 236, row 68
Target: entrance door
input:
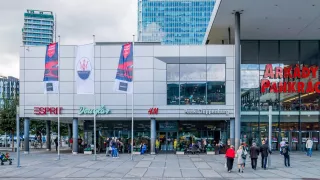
column 315, row 139
column 167, row 140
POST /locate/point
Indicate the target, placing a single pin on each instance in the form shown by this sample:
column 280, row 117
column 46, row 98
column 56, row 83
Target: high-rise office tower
column 9, row 88
column 38, row 27
column 181, row 22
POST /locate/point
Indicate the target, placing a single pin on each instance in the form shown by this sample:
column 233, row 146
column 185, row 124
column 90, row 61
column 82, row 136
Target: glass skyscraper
column 9, row 88
column 178, row 22
column 38, row 27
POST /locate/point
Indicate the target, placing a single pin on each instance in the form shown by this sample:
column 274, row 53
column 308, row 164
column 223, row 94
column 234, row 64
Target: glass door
column 167, row 142
column 315, row 139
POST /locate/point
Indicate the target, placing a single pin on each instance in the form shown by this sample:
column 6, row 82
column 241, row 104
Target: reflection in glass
column 173, row 93
column 192, row 93
column 216, row 93
column 172, row 72
column 192, row 72
column 216, row 72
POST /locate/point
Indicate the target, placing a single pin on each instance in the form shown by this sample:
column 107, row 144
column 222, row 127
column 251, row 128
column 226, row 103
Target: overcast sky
column 77, row 21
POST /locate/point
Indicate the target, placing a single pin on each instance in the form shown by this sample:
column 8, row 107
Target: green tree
column 8, row 116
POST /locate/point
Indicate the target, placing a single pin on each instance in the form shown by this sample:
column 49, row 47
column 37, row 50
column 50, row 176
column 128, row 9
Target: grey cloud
column 77, row 21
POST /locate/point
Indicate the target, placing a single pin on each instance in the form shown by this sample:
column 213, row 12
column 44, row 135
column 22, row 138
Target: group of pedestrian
column 242, row 152
column 113, row 145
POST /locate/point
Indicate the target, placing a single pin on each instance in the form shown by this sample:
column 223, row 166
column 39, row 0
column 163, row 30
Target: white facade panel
column 158, row 64
column 143, row 87
column 160, row 100
column 230, row 74
column 142, row 51
column 220, row 50
column 67, row 51
column 97, row 50
column 66, row 63
column 66, row 87
column 34, row 63
column 35, row 99
column 67, row 75
column 230, row 62
column 113, row 99
column 111, row 51
column 143, row 75
column 33, row 87
column 109, row 63
column 143, row 62
column 160, row 75
column 33, row 75
column 108, row 75
column 107, row 87
column 230, row 86
column 191, row 51
column 160, row 87
column 166, row 51
column 35, row 52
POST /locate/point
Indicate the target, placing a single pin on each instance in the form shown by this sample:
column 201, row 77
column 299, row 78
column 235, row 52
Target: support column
column 237, row 79
column 69, row 134
column 48, row 140
column 75, row 136
column 232, row 131
column 26, row 135
column 153, row 136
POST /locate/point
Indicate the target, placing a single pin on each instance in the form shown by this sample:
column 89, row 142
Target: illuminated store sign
column 153, row 111
column 101, row 110
column 308, row 82
column 47, row 110
column 208, row 111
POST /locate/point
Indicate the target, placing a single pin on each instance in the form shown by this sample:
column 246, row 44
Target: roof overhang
column 265, row 20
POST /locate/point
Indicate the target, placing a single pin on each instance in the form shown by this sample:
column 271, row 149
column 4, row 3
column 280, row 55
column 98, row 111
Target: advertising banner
column 84, row 69
column 51, row 75
column 123, row 80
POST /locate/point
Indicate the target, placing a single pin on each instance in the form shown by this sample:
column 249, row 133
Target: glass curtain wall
column 295, row 116
column 196, row 84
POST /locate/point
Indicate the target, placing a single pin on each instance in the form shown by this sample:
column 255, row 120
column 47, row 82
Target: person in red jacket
column 230, row 154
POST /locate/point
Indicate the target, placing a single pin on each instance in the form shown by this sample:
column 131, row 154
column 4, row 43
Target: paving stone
column 190, row 173
column 170, row 172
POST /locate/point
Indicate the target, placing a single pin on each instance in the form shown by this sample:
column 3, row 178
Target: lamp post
column 18, row 136
column 270, row 135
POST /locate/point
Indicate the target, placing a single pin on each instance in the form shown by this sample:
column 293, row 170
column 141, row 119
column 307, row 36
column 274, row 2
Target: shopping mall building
column 187, row 94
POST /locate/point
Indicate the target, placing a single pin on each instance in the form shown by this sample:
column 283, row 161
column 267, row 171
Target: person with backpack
column 285, row 152
column 254, row 154
column 242, row 156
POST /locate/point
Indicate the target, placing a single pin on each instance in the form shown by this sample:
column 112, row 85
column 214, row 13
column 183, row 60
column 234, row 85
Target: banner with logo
column 51, row 75
column 84, row 69
column 123, row 80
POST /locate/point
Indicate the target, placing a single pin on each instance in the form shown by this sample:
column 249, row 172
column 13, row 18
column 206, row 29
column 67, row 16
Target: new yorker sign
column 101, row 110
column 290, row 75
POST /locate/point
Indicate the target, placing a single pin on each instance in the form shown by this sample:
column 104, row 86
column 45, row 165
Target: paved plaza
column 43, row 165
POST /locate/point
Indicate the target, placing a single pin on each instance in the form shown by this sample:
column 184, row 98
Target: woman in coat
column 230, row 157
column 241, row 155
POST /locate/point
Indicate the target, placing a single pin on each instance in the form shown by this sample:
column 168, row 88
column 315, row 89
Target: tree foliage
column 8, row 114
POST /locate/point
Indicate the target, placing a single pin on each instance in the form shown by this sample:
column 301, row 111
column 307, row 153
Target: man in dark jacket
column 264, row 149
column 285, row 152
column 254, row 153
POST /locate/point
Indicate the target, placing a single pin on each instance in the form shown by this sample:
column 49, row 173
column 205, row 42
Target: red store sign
column 308, row 83
column 153, row 111
column 46, row 110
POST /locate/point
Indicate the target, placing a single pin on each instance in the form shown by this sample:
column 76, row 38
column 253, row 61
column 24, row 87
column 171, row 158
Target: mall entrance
column 167, row 142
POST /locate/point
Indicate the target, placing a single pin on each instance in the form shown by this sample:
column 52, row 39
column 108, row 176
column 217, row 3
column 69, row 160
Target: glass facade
column 196, row 84
column 173, row 22
column 9, row 87
column 38, row 27
column 295, row 116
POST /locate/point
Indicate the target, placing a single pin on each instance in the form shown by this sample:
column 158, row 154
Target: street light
column 18, row 136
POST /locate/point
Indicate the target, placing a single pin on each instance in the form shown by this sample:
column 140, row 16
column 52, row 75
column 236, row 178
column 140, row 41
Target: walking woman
column 241, row 155
column 230, row 157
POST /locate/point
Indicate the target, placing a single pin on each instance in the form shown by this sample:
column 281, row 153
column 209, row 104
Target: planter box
column 87, row 152
column 210, row 152
column 134, row 152
column 180, row 152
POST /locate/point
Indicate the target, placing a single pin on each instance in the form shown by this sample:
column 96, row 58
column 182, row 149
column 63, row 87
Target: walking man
column 285, row 152
column 265, row 151
column 254, row 153
column 309, row 145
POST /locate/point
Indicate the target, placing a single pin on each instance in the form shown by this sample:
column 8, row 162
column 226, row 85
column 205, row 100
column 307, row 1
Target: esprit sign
column 47, row 110
column 100, row 110
column 289, row 73
column 208, row 111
